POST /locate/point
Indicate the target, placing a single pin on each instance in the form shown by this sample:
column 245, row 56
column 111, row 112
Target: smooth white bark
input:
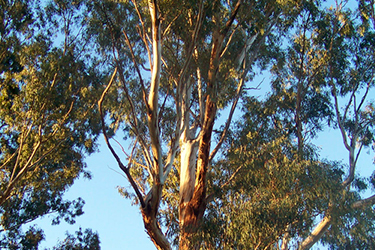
column 315, row 235
column 154, row 92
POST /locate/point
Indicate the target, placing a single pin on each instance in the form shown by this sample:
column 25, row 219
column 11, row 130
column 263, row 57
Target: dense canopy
column 212, row 163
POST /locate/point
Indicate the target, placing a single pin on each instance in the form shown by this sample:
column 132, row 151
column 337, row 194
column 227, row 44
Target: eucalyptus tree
column 346, row 49
column 326, row 80
column 48, row 88
column 276, row 191
column 176, row 66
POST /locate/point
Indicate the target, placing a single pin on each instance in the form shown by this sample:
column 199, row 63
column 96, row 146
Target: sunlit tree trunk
column 194, row 209
column 189, row 149
column 152, row 200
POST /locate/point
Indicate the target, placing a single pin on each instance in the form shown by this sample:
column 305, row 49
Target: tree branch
column 343, row 134
column 152, row 112
column 229, row 120
column 233, row 15
column 315, row 235
column 135, row 64
column 121, row 165
column 143, row 35
column 364, row 203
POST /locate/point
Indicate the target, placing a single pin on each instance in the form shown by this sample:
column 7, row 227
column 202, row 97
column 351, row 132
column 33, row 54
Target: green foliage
column 29, row 240
column 269, row 182
column 86, row 240
column 47, row 121
column 14, row 19
column 265, row 186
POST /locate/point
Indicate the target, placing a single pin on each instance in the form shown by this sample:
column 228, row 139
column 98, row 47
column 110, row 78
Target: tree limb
column 364, row 203
column 315, row 235
column 153, row 97
column 143, row 35
column 121, row 165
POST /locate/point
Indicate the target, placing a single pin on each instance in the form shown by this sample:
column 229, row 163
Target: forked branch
column 121, row 165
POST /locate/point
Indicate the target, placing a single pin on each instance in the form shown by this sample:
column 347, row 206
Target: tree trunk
column 195, row 208
column 152, row 201
column 189, row 150
column 150, row 221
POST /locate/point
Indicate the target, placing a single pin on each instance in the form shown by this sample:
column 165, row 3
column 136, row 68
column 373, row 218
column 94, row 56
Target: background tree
column 349, row 61
column 48, row 85
column 86, row 240
column 282, row 183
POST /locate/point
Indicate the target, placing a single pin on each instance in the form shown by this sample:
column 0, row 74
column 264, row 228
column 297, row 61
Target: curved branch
column 144, row 39
column 365, row 202
column 121, row 165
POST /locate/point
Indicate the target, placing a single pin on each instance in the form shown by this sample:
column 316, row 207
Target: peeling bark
column 193, row 211
column 189, row 150
column 149, row 213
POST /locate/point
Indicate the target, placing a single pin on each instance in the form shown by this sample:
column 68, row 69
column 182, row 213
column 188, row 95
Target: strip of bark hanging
column 197, row 205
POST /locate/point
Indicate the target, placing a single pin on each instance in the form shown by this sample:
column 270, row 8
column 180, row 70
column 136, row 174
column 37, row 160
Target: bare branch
column 233, row 15
column 197, row 27
column 20, row 148
column 229, row 120
column 232, row 176
column 364, row 203
column 228, row 42
column 135, row 64
column 341, row 126
column 316, row 234
column 144, row 34
column 121, row 165
column 14, row 179
column 8, row 160
column 358, row 153
column 364, row 97
column 135, row 120
column 170, row 24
